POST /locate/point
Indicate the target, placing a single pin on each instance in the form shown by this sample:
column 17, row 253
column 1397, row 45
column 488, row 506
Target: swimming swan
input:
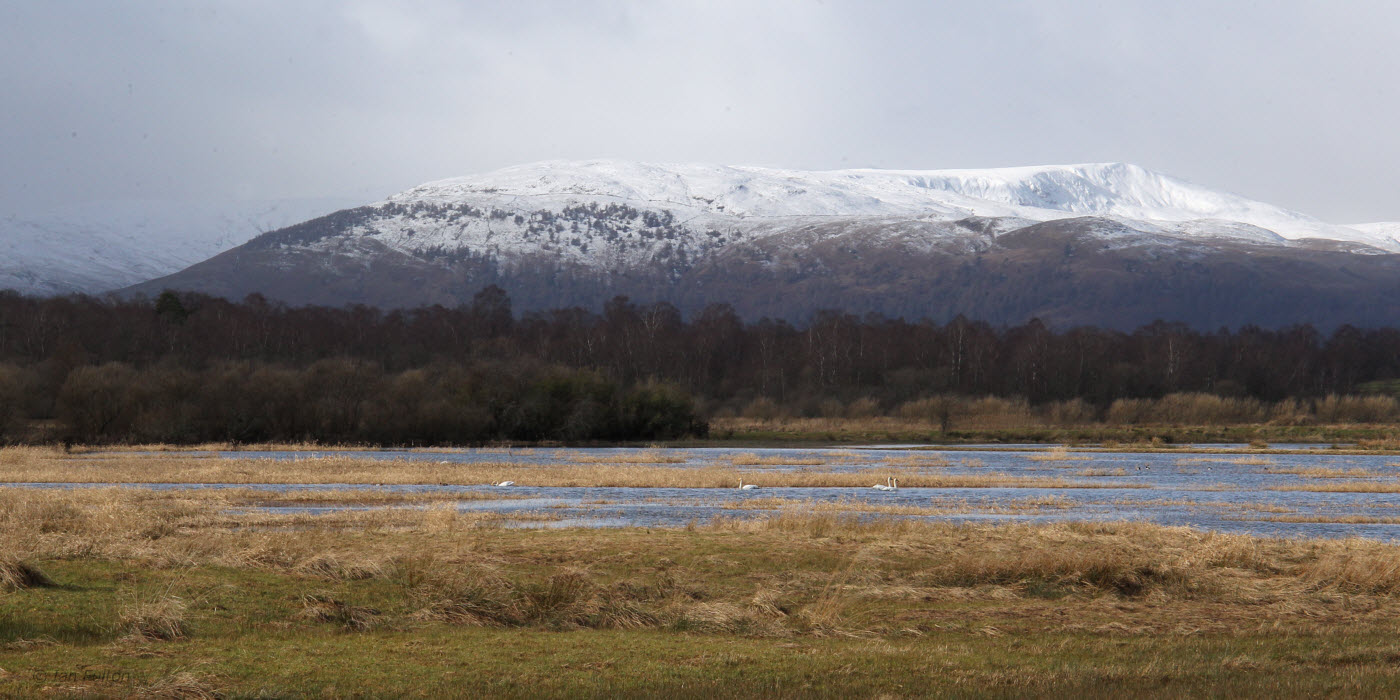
column 891, row 484
column 747, row 487
column 506, row 483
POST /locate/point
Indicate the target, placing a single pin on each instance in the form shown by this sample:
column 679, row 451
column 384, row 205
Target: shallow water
column 1222, row 491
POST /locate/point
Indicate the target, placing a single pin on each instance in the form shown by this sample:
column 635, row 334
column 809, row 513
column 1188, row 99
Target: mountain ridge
column 564, row 233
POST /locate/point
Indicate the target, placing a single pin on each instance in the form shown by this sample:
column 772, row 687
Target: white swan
column 891, row 484
column 747, row 487
column 506, row 483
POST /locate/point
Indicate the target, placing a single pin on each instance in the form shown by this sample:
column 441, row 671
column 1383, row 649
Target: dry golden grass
column 17, row 574
column 1102, row 472
column 1338, row 519
column 1058, row 454
column 1081, row 607
column 156, row 619
column 937, row 507
column 647, row 457
column 749, row 459
column 1327, row 472
column 182, row 685
column 139, row 469
column 813, row 569
column 1340, row 487
column 1252, row 461
column 323, row 607
column 918, row 459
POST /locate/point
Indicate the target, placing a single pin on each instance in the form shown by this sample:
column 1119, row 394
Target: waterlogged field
column 1290, row 490
column 643, row 572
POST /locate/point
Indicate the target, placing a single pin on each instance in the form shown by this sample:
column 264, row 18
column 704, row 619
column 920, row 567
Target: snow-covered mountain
column 561, row 233
column 98, row 246
column 723, row 194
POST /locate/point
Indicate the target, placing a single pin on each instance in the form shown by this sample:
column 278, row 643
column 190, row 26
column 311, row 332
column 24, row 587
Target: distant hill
column 1104, row 244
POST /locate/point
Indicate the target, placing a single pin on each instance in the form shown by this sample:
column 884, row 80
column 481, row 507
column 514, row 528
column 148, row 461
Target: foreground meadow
column 202, row 593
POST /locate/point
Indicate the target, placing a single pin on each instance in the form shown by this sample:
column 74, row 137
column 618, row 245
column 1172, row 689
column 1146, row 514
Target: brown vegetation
column 467, row 574
column 38, row 465
column 17, row 574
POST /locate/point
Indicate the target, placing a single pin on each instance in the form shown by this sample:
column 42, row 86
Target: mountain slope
column 98, row 246
column 1110, row 244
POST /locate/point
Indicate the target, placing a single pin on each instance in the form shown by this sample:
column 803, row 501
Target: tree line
column 188, row 367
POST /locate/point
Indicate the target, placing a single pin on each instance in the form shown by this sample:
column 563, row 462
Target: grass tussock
column 161, row 618
column 322, row 607
column 183, row 685
column 17, row 575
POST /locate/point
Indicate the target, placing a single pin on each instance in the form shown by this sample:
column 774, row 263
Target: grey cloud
column 1291, row 102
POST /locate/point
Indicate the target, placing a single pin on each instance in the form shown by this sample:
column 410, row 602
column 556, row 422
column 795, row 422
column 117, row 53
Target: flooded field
column 1307, row 494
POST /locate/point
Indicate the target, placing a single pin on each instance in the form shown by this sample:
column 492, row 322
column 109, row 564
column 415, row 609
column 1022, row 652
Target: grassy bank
column 190, row 594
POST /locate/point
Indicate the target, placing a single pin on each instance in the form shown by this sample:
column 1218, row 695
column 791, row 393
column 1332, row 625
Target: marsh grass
column 749, row 459
column 1336, row 519
column 936, row 507
column 1058, row 454
column 157, row 618
column 1119, row 471
column 1252, row 460
column 1341, row 486
column 434, row 590
column 1328, row 472
column 324, row 607
column 183, row 685
column 918, row 459
column 142, row 469
column 17, row 574
column 646, row 457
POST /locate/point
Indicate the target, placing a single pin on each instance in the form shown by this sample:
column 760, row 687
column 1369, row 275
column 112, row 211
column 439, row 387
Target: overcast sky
column 1295, row 103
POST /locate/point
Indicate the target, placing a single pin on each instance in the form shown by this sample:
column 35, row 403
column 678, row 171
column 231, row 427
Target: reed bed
column 1102, row 472
column 749, row 459
column 1340, row 487
column 647, row 457
column 937, row 507
column 1329, row 472
column 920, row 459
column 1329, row 519
column 1058, row 454
column 141, row 469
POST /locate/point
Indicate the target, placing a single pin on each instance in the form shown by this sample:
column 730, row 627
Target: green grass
column 247, row 641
